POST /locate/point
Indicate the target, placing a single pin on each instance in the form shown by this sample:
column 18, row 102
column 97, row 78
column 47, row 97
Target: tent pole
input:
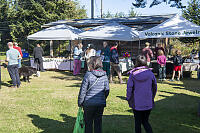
column 28, row 50
column 139, row 47
column 70, row 54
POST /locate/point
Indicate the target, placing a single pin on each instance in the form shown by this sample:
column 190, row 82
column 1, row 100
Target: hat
column 90, row 45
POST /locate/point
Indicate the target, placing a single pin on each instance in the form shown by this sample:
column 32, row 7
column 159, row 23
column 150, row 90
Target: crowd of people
column 94, row 90
column 159, row 55
column 141, row 85
column 109, row 57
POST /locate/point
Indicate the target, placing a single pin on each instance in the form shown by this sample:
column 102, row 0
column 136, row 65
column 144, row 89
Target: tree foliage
column 24, row 17
column 192, row 13
column 172, row 3
column 132, row 13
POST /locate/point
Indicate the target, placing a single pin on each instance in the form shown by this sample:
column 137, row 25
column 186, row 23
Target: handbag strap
column 93, row 84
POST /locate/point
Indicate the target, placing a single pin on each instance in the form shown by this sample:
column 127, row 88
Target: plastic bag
column 79, row 126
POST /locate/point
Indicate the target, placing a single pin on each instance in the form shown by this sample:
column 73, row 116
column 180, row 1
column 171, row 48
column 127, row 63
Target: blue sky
column 114, row 6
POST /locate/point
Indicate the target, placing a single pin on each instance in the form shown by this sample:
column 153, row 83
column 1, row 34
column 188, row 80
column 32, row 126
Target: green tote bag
column 79, row 126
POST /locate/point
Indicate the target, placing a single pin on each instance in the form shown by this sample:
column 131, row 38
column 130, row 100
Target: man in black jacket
column 114, row 63
column 37, row 54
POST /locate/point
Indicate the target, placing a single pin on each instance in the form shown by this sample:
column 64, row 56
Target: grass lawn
column 49, row 105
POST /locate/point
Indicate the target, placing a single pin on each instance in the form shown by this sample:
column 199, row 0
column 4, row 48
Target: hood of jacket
column 98, row 73
column 141, row 73
column 113, row 48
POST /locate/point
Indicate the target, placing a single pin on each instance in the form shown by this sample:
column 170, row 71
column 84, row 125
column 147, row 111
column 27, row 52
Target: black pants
column 142, row 117
column 39, row 62
column 93, row 115
column 14, row 74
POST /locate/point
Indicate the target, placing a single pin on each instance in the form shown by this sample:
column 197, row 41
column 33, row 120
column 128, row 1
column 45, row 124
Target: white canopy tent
column 59, row 32
column 177, row 26
column 111, row 31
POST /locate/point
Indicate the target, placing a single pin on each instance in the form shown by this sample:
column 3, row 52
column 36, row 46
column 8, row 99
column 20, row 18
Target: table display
column 125, row 64
column 55, row 63
column 190, row 66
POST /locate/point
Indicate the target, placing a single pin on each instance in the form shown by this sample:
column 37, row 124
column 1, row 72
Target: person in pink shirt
column 20, row 51
column 161, row 60
column 147, row 52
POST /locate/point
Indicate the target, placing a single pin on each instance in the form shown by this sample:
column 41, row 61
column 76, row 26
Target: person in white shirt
column 89, row 53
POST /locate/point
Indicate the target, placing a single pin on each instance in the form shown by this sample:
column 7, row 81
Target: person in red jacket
column 20, row 51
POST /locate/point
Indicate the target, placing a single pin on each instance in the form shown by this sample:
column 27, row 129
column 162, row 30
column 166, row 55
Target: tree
column 192, row 13
column 132, row 13
column 27, row 16
column 5, row 19
column 143, row 3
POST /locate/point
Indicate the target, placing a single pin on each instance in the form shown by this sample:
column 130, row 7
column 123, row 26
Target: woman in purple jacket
column 141, row 91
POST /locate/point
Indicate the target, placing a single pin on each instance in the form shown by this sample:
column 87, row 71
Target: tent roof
column 139, row 22
column 59, row 32
column 177, row 26
column 111, row 31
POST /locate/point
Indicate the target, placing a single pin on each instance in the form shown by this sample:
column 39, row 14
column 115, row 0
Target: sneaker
column 178, row 79
column 122, row 82
column 171, row 80
column 111, row 82
column 164, row 79
column 160, row 79
column 13, row 86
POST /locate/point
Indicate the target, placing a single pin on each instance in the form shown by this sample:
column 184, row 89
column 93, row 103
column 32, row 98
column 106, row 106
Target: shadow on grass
column 67, row 75
column 75, row 85
column 173, row 114
column 53, row 126
column 122, row 97
column 188, row 84
column 5, row 84
column 178, row 112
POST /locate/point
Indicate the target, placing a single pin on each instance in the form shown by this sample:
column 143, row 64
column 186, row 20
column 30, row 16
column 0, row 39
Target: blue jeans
column 19, row 63
column 162, row 72
column 14, row 74
column 198, row 73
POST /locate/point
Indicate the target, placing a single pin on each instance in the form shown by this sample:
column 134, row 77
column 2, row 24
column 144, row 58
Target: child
column 161, row 60
column 177, row 61
column 141, row 91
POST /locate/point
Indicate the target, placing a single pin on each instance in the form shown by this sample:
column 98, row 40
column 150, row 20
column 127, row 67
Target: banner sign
column 173, row 33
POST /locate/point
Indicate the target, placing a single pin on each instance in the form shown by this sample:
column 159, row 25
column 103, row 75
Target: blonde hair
column 178, row 52
column 147, row 44
column 160, row 52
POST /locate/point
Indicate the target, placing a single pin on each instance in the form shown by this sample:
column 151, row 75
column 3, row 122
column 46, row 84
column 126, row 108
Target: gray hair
column 10, row 44
column 94, row 63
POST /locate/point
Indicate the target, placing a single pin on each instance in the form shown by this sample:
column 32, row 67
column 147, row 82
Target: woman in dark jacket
column 92, row 96
column 141, row 91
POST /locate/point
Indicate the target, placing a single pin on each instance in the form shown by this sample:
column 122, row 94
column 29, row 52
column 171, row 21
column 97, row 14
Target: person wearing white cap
column 89, row 53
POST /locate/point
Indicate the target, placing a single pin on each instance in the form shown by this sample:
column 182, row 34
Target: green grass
column 49, row 105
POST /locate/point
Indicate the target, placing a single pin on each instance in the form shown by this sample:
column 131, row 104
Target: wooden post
column 51, row 48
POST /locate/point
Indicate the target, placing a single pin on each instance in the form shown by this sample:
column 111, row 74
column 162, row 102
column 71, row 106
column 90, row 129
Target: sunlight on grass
column 49, row 104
